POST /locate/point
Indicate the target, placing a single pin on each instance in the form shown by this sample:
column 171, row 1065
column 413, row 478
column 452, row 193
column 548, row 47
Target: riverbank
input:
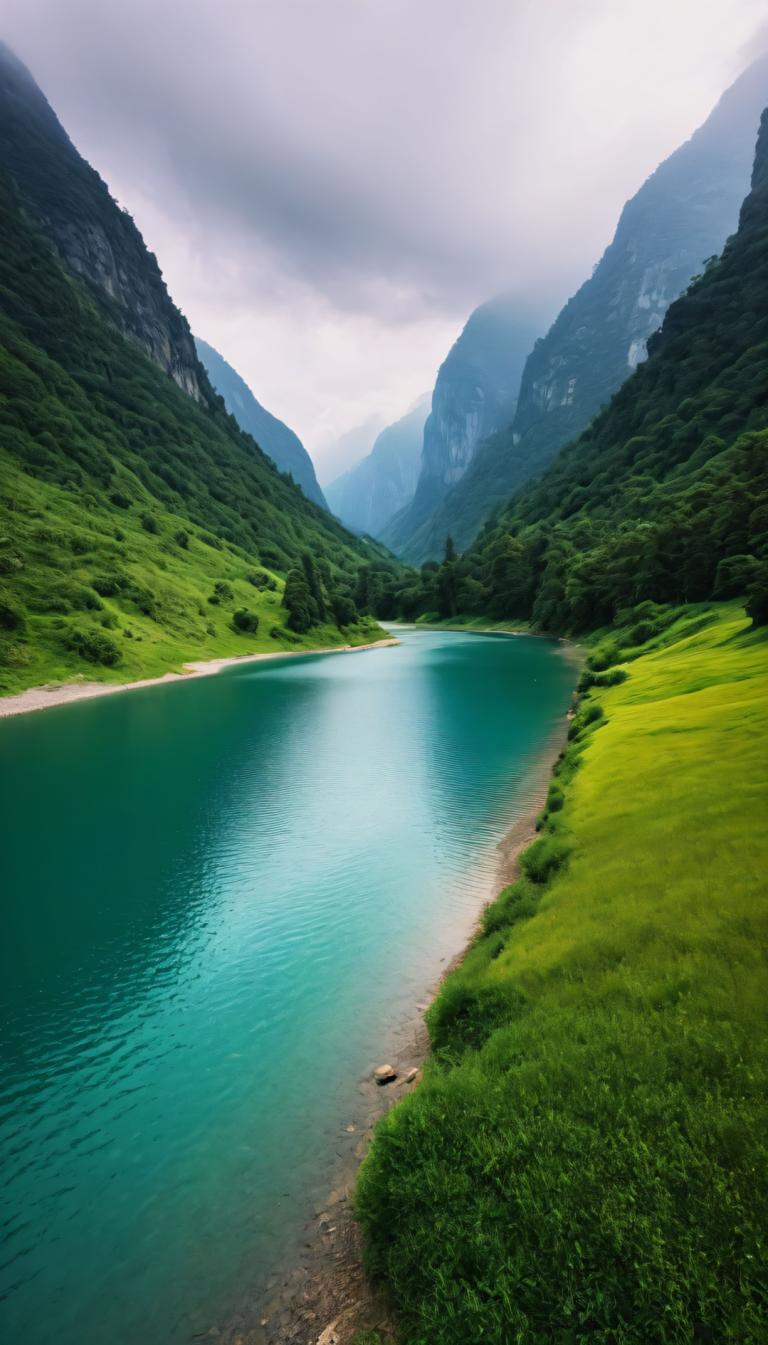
column 322, row 1294
column 600, row 1051
column 68, row 693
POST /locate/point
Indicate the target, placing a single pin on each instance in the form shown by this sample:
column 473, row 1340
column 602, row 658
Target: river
column 220, row 898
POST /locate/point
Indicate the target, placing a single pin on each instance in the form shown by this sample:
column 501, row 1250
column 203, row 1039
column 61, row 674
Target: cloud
column 331, row 185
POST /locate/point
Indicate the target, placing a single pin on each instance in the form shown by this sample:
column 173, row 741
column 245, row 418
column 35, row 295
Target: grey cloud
column 376, row 161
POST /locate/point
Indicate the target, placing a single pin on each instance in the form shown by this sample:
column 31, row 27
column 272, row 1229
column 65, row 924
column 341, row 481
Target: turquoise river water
column 219, row 899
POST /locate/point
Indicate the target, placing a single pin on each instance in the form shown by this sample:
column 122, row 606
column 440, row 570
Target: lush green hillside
column 123, row 502
column 665, row 496
column 586, row 1158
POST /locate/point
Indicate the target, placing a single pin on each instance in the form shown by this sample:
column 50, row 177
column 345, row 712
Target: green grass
column 54, row 547
column 586, row 1158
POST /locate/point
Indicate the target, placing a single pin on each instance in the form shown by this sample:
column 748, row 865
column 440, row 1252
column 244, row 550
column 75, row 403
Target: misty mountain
column 96, row 239
column 272, row 435
column 682, row 215
column 475, row 394
column 367, row 496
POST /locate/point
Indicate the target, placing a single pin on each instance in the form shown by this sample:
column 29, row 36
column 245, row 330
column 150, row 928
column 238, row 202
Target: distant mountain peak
column 275, row 439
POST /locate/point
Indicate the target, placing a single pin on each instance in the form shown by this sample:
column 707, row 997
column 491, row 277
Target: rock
column 411, row 1075
column 329, row 1336
column 384, row 1074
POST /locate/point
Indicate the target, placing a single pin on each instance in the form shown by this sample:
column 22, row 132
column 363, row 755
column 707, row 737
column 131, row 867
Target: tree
column 314, row 585
column 298, row 601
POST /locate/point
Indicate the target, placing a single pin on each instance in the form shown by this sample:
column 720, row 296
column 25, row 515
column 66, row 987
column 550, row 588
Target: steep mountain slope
column 681, row 216
column 96, row 239
column 370, row 494
column 475, row 394
column 139, row 527
column 665, row 496
column 272, row 435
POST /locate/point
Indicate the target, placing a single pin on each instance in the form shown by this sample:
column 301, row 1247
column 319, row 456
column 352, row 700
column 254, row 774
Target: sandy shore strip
column 64, row 693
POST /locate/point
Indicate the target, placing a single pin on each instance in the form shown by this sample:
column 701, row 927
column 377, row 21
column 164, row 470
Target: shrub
column 517, row 902
column 613, row 678
column 11, row 615
column 244, row 621
column 109, row 585
column 543, row 859
column 604, row 657
column 94, row 646
column 119, row 500
column 260, row 579
column 464, row 1016
column 182, row 538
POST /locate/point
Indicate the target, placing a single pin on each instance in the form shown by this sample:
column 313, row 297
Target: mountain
column 97, row 241
column 370, row 494
column 276, row 439
column 139, row 526
column 680, row 216
column 664, row 497
column 475, row 394
column 344, row 453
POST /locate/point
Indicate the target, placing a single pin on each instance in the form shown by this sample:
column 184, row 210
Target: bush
column 604, row 657
column 119, row 500
column 244, row 621
column 149, row 523
column 11, row 615
column 543, row 859
column 261, row 580
column 94, row 646
column 109, row 585
column 182, row 538
column 614, row 677
column 464, row 1016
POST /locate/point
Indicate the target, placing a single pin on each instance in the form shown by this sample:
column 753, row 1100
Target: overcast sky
column 332, row 185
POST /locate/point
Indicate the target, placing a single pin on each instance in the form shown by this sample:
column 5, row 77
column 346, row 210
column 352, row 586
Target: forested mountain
column 138, row 524
column 475, row 394
column 97, row 240
column 272, row 435
column 367, row 496
column 664, row 498
column 680, row 217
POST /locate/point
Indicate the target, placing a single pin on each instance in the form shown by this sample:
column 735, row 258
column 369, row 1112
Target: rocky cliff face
column 367, row 496
column 475, row 394
column 95, row 238
column 272, row 435
column 680, row 217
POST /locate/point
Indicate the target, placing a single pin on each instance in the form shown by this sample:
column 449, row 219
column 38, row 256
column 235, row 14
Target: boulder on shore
column 384, row 1074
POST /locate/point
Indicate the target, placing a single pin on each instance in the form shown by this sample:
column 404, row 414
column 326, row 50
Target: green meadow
column 586, row 1157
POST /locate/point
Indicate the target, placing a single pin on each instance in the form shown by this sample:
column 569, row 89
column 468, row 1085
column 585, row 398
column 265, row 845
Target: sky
column 331, row 186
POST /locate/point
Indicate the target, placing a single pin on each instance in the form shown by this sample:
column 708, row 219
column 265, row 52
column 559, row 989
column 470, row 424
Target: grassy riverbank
column 586, row 1158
